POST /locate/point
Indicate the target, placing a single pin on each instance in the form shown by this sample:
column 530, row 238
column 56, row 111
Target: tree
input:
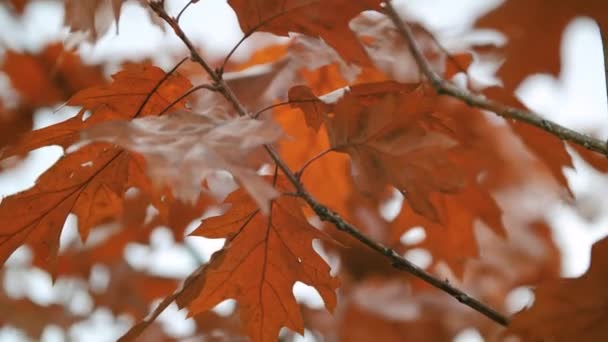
column 317, row 132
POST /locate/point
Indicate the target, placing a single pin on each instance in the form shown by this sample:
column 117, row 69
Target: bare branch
column 322, row 211
column 442, row 86
column 186, row 94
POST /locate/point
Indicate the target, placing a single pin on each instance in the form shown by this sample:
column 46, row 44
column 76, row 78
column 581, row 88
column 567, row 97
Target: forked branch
column 442, row 86
column 321, row 210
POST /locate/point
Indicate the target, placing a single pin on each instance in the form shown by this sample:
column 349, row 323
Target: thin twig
column 442, row 86
column 186, row 94
column 257, row 114
column 246, row 35
column 184, row 9
column 136, row 330
column 232, row 51
column 158, row 84
column 322, row 211
column 310, row 161
column 219, row 83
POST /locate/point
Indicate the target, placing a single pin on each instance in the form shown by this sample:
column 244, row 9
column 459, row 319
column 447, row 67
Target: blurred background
column 577, row 99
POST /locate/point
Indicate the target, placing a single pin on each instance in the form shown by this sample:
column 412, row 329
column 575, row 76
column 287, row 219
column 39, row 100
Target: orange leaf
column 89, row 182
column 262, row 259
column 569, row 309
column 452, row 240
column 18, row 5
column 36, row 216
column 327, row 19
column 392, row 137
column 13, row 123
column 92, row 16
column 534, row 32
column 50, row 76
column 548, row 148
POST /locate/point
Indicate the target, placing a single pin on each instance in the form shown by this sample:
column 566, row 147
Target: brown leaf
column 569, row 309
column 49, row 77
column 262, row 259
column 385, row 45
column 183, row 149
column 95, row 17
column 392, row 137
column 534, row 31
column 33, row 318
column 452, row 239
column 13, row 123
column 19, row 5
column 548, row 148
column 131, row 291
column 36, row 216
column 92, row 16
column 89, row 182
column 327, row 19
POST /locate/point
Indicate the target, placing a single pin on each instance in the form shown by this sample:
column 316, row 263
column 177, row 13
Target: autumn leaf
column 183, row 149
column 327, row 19
column 384, row 44
column 33, row 318
column 36, row 216
column 262, row 259
column 13, row 123
column 569, row 309
column 18, row 5
column 548, row 148
column 132, row 291
column 596, row 160
column 91, row 181
column 452, row 239
column 534, row 33
column 359, row 122
column 392, row 137
column 50, row 76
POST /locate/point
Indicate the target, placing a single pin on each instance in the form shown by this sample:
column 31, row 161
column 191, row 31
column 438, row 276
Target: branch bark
column 442, row 86
column 321, row 210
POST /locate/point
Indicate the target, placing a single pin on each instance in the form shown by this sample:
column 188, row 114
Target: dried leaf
column 183, row 149
column 89, row 182
column 534, row 33
column 569, row 309
column 327, row 19
column 49, row 77
column 392, row 137
column 262, row 259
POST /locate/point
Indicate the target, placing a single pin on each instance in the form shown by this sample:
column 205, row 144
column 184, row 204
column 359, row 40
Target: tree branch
column 442, row 86
column 322, row 211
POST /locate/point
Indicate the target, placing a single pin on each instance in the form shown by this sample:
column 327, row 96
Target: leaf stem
column 186, row 94
column 158, row 84
column 310, row 161
column 257, row 114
